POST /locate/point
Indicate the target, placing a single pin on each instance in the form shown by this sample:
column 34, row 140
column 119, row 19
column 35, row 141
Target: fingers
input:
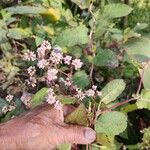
column 79, row 135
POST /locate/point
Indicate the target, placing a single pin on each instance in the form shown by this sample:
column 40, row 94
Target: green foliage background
column 110, row 35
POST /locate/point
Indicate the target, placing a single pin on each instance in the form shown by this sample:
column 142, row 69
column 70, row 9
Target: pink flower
column 47, row 45
column 31, row 70
column 80, row 95
column 99, row 93
column 51, row 99
column 52, row 74
column 58, row 105
column 67, row 59
column 29, row 56
column 77, row 64
column 56, row 58
column 9, row 98
column 94, row 87
column 90, row 92
column 26, row 98
column 32, row 81
column 42, row 63
column 67, row 82
column 41, row 52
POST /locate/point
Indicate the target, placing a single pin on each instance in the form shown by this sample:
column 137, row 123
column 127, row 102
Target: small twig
column 91, row 42
column 142, row 76
column 115, row 106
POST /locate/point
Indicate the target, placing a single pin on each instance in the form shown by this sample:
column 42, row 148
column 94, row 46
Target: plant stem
column 91, row 40
column 115, row 106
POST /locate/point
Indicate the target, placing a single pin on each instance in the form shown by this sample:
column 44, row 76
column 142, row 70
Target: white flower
column 31, row 70
column 52, row 74
column 67, row 59
column 77, row 64
column 67, row 82
column 99, row 93
column 56, row 58
column 32, row 81
column 90, row 92
column 94, row 87
column 80, row 95
column 41, row 52
column 58, row 105
column 29, row 56
column 9, row 98
column 46, row 44
column 42, row 63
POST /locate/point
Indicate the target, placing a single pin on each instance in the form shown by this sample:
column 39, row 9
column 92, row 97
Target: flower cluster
column 50, row 59
column 89, row 93
column 51, row 99
column 52, row 74
column 26, row 99
column 30, row 56
column 9, row 98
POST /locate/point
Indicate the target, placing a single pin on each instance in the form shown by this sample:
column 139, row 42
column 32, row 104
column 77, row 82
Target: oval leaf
column 78, row 116
column 81, row 79
column 117, row 10
column 112, row 90
column 37, row 99
column 111, row 123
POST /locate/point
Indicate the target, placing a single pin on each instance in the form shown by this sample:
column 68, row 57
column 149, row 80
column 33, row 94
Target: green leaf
column 19, row 109
column 144, row 100
column 138, row 49
column 3, row 103
column 81, row 79
column 64, row 147
column 106, row 58
column 73, row 36
column 146, row 75
column 66, row 99
column 83, row 4
column 111, row 123
column 37, row 99
column 108, row 142
column 54, row 14
column 18, row 33
column 26, row 10
column 78, row 116
column 112, row 90
column 117, row 10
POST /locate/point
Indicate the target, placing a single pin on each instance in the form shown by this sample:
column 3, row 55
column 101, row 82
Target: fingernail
column 90, row 134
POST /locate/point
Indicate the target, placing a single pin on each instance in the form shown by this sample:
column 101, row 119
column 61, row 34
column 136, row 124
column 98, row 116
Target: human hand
column 43, row 128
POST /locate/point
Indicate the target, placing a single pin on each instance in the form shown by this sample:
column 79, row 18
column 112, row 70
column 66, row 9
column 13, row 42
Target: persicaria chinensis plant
column 57, row 70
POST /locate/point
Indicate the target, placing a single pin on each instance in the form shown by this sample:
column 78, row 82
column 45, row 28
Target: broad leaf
column 106, row 58
column 26, row 10
column 73, row 36
column 78, row 116
column 81, row 79
column 146, row 79
column 111, row 123
column 18, row 33
column 66, row 99
column 83, row 4
column 117, row 10
column 54, row 14
column 144, row 100
column 38, row 98
column 112, row 90
column 138, row 49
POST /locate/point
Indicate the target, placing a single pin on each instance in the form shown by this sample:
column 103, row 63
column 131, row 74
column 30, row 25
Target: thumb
column 79, row 135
